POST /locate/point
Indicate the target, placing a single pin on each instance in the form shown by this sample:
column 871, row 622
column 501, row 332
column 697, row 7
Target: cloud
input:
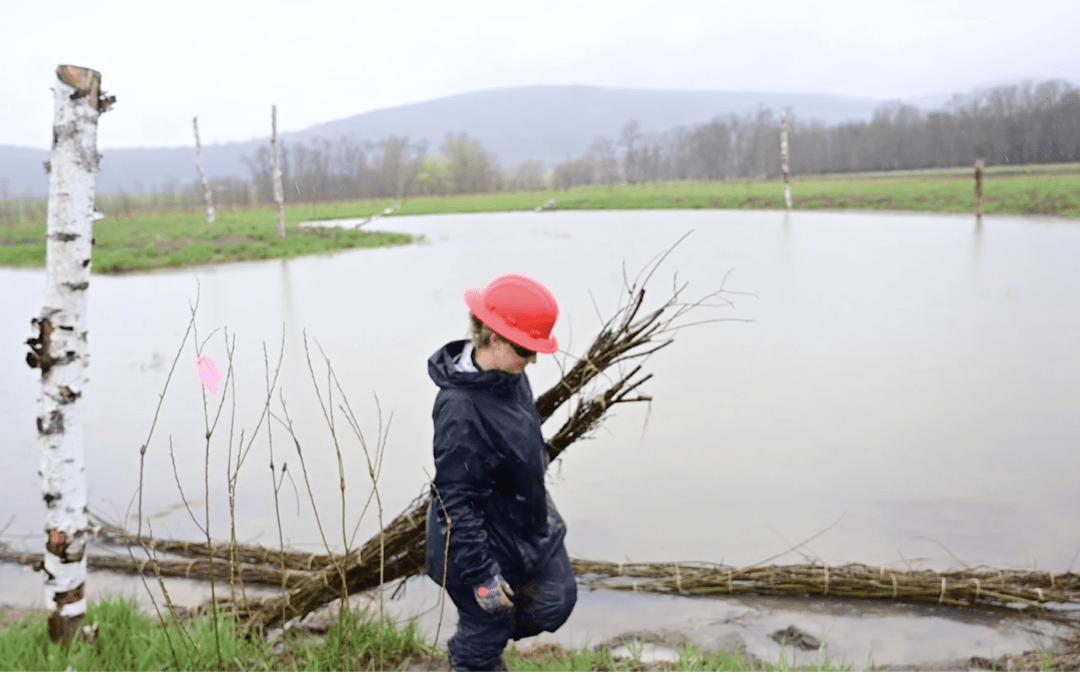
column 227, row 61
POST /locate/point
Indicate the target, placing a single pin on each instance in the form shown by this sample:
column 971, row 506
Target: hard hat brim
column 474, row 298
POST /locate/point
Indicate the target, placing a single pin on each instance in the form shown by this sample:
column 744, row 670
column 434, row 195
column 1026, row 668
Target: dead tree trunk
column 979, row 169
column 60, row 347
column 207, row 197
column 279, row 192
column 784, row 164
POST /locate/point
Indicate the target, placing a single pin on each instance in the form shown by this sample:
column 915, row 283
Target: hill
column 551, row 123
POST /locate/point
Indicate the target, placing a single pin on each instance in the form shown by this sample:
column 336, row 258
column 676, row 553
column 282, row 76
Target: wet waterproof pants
column 542, row 602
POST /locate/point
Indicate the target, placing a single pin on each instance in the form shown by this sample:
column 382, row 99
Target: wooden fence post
column 207, row 197
column 279, row 192
column 59, row 348
column 979, row 167
column 784, row 164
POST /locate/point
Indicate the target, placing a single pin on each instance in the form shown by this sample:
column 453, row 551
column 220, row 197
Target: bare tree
column 392, row 166
column 631, row 134
column 528, row 175
column 607, row 164
column 207, row 197
column 60, row 347
column 410, row 171
column 279, row 193
column 573, row 172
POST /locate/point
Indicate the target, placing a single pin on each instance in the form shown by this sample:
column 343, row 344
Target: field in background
column 1051, row 192
column 1038, row 189
column 155, row 231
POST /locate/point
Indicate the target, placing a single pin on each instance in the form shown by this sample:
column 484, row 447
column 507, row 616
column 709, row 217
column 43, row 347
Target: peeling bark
column 60, row 347
column 207, row 197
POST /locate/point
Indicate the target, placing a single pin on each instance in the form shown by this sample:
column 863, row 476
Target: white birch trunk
column 279, row 192
column 60, row 347
column 207, row 197
column 785, row 165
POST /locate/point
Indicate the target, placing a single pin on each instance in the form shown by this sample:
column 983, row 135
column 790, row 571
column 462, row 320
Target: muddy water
column 906, row 390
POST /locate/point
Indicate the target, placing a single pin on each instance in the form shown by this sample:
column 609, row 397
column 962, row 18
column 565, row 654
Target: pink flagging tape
column 209, row 374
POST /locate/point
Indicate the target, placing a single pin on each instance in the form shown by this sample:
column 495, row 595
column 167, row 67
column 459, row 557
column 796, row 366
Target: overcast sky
column 227, row 61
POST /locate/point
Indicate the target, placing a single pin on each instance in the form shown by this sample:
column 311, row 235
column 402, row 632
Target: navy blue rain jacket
column 490, row 460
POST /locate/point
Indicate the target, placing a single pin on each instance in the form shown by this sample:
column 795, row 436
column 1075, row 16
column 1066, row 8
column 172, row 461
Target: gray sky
column 227, row 61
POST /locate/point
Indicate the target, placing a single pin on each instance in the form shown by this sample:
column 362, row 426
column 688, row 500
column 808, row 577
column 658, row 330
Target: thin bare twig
column 446, row 556
column 183, row 497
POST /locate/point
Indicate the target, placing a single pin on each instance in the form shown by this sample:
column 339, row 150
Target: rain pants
column 490, row 459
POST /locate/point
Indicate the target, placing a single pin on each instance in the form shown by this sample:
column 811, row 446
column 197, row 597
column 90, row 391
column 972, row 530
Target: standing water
column 904, row 389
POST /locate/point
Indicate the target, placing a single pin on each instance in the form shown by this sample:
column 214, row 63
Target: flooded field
column 905, row 390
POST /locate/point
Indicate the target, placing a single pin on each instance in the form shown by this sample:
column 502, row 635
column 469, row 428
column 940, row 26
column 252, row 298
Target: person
column 506, row 570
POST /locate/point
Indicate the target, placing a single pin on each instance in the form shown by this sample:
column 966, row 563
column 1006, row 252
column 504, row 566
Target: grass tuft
column 131, row 641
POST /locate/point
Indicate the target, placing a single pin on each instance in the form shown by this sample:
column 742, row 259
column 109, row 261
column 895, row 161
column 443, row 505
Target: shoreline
column 138, row 236
column 652, row 650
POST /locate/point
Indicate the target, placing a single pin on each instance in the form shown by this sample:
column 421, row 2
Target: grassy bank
column 128, row 640
column 182, row 239
column 1051, row 190
column 145, row 242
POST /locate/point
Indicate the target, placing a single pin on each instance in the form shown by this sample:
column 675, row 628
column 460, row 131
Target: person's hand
column 494, row 595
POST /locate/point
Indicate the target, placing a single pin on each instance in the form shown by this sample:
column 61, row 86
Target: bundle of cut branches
column 627, row 336
column 985, row 586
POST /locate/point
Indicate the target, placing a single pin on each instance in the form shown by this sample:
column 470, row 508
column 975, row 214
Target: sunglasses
column 521, row 351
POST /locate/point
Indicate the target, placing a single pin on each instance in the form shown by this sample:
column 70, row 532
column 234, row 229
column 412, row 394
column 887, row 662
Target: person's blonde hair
column 479, row 332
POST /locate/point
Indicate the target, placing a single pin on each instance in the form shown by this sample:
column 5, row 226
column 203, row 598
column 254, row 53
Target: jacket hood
column 442, row 368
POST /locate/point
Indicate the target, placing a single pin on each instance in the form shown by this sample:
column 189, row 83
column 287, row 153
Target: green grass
column 163, row 240
column 1052, row 191
column 131, row 641
column 182, row 239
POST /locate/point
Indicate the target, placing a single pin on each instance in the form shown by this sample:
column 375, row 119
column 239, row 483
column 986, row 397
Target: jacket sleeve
column 463, row 464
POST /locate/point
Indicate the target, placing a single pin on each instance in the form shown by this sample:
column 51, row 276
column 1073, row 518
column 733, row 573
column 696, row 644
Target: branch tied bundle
column 627, row 338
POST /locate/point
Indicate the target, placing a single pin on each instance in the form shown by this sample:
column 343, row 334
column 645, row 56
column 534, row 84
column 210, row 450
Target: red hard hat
column 518, row 308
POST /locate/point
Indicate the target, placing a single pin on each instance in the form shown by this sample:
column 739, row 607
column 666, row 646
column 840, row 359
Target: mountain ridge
column 551, row 123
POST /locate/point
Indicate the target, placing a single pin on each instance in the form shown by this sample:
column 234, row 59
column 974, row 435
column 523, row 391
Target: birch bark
column 784, row 164
column 60, row 347
column 279, row 192
column 207, row 197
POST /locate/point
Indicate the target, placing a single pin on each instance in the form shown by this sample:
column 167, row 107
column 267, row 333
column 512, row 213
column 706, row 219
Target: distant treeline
column 1026, row 124
column 1007, row 125
column 352, row 169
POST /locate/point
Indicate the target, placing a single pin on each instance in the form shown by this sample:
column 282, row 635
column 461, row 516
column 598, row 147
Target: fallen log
column 982, row 587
